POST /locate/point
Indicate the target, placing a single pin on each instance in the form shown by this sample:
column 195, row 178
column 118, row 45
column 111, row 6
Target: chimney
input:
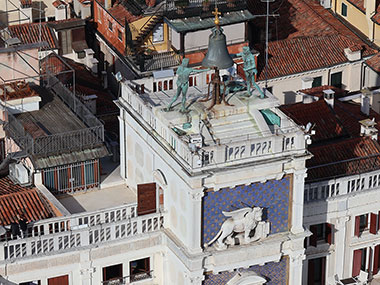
column 353, row 53
column 307, row 82
column 368, row 128
column 365, row 104
column 26, row 15
column 328, row 95
column 60, row 8
column 307, row 99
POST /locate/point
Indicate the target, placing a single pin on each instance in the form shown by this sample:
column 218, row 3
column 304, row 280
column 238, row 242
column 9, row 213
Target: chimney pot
column 328, row 95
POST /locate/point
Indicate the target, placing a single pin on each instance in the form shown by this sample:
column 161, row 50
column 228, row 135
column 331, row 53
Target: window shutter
column 373, row 224
column 310, row 272
column 323, row 270
column 357, row 262
column 376, row 260
column 378, row 221
column 329, row 232
column 146, row 198
column 313, row 237
column 357, row 226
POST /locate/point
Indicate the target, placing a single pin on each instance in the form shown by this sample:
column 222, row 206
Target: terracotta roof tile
column 16, row 90
column 374, row 62
column 25, row 3
column 30, row 33
column 120, row 13
column 58, row 3
column 318, row 91
column 327, row 125
column 349, row 157
column 358, row 4
column 296, row 55
column 16, row 200
column 337, row 146
column 318, row 31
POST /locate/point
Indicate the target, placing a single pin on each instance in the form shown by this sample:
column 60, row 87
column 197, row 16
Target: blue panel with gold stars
column 276, row 273
column 272, row 195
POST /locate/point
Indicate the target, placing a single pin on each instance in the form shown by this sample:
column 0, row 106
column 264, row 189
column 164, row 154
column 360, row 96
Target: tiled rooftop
column 16, row 90
column 374, row 62
column 296, row 55
column 306, row 36
column 358, row 4
column 30, row 33
column 337, row 129
column 318, row 91
column 121, row 14
column 327, row 125
column 16, row 200
column 350, row 157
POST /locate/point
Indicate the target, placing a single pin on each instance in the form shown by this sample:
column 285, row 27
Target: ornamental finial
column 216, row 13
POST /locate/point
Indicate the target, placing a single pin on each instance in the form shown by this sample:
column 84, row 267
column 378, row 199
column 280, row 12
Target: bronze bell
column 217, row 55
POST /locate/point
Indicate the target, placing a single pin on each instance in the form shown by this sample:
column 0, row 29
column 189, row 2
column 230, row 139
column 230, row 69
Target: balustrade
column 64, row 233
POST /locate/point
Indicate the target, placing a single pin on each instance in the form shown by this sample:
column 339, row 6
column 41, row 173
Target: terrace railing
column 81, row 230
column 62, row 142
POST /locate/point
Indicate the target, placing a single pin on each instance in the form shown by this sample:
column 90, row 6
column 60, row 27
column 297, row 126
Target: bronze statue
column 183, row 73
column 250, row 70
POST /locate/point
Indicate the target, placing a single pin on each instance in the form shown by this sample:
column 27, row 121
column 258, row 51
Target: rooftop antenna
column 266, row 42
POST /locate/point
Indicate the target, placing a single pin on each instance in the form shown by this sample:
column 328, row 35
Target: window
column 336, row 79
column 158, row 33
column 146, row 198
column 322, row 233
column 110, row 25
column 113, row 272
column 316, row 271
column 317, row 81
column 139, row 269
column 120, row 35
column 359, row 261
column 344, row 10
column 361, row 224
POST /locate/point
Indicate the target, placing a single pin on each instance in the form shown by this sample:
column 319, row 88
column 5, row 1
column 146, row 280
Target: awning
column 69, row 158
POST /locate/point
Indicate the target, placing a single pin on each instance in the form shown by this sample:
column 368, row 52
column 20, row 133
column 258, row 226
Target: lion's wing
column 237, row 214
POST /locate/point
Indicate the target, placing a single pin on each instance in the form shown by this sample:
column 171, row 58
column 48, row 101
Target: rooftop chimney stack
column 365, row 104
column 368, row 128
column 307, row 82
column 328, row 95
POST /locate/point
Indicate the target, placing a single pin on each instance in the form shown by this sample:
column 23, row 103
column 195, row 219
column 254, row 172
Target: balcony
column 63, row 124
column 80, row 230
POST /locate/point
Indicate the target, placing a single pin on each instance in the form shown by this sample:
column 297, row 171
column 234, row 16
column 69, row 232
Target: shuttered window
column 146, row 198
column 60, row 280
column 357, row 261
column 376, row 259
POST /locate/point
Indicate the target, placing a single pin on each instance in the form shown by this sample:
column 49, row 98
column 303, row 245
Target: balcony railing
column 65, row 233
column 88, row 137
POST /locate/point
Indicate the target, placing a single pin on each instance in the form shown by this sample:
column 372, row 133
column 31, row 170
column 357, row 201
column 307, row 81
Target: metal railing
column 62, row 142
column 65, row 233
